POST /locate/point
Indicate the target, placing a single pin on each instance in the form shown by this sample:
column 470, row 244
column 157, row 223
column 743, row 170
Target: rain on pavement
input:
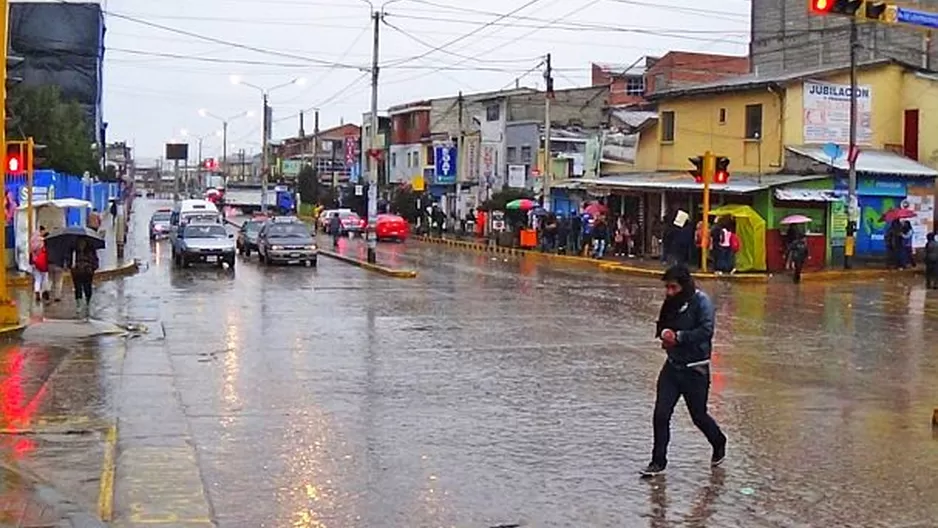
column 487, row 391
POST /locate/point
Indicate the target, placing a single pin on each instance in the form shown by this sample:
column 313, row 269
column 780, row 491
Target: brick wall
column 785, row 37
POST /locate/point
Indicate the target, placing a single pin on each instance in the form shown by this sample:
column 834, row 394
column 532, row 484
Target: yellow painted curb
column 12, row 332
column 106, row 491
column 390, row 272
column 125, row 270
column 854, row 274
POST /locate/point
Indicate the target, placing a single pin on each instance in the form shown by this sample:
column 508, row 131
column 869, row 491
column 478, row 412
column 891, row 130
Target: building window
column 512, row 154
column 667, row 126
column 526, row 155
column 411, row 121
column 723, row 116
column 394, row 160
column 431, row 160
column 492, row 112
column 635, row 85
column 754, row 121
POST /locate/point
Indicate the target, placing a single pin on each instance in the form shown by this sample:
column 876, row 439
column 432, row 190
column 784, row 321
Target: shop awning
column 806, row 195
column 682, row 181
column 869, row 161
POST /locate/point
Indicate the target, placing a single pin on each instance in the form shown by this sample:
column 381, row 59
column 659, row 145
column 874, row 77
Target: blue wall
column 62, row 186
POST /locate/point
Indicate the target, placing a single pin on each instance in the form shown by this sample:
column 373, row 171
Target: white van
column 195, row 210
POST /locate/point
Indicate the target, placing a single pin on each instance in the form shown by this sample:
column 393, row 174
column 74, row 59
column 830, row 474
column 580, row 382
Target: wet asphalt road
column 487, row 391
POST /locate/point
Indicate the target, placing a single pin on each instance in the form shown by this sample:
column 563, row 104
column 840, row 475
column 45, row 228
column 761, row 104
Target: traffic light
column 875, row 10
column 17, row 157
column 722, row 174
column 698, row 169
column 210, row 164
column 835, row 7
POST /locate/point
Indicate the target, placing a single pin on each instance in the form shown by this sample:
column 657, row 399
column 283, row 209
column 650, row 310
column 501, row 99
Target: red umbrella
column 897, row 213
column 595, row 209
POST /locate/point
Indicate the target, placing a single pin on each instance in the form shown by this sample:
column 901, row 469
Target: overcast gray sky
column 156, row 80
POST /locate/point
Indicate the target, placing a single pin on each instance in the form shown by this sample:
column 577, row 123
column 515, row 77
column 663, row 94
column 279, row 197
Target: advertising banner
column 827, row 113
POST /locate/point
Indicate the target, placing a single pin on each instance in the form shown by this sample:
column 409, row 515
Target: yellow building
column 786, row 138
column 752, row 119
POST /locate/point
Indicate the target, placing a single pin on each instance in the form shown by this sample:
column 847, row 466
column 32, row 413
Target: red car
column 392, row 227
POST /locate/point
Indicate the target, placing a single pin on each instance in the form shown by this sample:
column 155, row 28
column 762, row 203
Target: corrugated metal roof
column 869, row 161
column 636, row 119
column 743, row 82
column 681, row 181
column 806, row 195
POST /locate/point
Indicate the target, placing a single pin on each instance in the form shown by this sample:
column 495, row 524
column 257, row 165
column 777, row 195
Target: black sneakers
column 719, row 455
column 653, row 469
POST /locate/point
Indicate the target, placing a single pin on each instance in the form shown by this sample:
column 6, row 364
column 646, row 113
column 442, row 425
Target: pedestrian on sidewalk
column 84, row 265
column 39, row 258
column 335, row 229
column 797, row 253
column 113, row 211
column 59, row 260
column 931, row 262
column 685, row 327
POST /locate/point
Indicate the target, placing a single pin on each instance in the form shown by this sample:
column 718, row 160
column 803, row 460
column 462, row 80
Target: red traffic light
column 14, row 164
column 210, row 164
column 821, row 6
column 16, row 157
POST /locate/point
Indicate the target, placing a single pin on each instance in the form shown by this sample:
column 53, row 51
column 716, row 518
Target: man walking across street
column 685, row 327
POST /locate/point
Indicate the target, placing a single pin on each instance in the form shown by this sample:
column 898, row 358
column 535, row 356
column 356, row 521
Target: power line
column 469, row 34
column 323, row 77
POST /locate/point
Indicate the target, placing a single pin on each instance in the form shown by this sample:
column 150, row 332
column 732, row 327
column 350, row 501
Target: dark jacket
column 931, row 252
column 58, row 257
column 693, row 321
column 335, row 226
column 86, row 262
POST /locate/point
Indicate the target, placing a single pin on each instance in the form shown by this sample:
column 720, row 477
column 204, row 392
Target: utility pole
column 224, row 151
column 265, row 164
column 373, row 162
column 9, row 315
column 315, row 160
column 176, row 180
column 548, row 95
column 709, row 167
column 852, row 206
column 460, row 158
column 199, row 171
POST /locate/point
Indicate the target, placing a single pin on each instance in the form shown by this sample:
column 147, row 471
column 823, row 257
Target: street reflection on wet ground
column 489, row 390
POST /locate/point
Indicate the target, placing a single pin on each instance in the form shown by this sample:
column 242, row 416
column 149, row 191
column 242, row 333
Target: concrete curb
column 603, row 265
column 625, row 269
column 395, row 273
column 124, row 270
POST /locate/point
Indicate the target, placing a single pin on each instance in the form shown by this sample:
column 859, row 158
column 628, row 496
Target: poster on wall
column 489, row 161
column 517, row 176
column 924, row 219
column 826, row 113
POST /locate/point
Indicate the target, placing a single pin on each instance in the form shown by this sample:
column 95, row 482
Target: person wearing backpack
column 798, row 253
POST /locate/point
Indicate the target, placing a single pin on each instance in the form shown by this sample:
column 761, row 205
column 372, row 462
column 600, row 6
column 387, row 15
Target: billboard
column 177, row 151
column 827, row 113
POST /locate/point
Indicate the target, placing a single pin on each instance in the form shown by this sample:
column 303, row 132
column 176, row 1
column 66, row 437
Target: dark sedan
column 247, row 236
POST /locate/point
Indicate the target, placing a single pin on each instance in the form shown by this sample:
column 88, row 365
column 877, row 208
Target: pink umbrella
column 796, row 219
column 897, row 213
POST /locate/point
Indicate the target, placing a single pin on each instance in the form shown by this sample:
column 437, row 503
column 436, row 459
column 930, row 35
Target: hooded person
column 685, row 326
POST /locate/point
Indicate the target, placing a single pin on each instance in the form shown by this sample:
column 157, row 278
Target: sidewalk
column 653, row 268
column 111, row 267
column 27, row 503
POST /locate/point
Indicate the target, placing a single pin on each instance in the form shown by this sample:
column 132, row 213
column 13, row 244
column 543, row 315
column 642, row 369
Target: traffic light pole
column 9, row 316
column 853, row 212
column 709, row 169
column 30, row 179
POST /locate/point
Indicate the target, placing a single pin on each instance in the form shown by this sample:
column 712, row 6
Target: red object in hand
column 668, row 338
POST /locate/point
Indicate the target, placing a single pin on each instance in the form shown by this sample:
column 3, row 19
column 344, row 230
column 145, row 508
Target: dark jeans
column 931, row 274
column 694, row 385
column 82, row 284
column 799, row 265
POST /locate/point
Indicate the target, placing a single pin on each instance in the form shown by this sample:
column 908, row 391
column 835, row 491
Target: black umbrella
column 66, row 239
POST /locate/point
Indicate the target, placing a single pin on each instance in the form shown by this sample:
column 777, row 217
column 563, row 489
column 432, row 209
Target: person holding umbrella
column 79, row 247
column 83, row 268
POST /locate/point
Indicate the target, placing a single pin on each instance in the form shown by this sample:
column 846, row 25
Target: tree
column 308, row 184
column 59, row 126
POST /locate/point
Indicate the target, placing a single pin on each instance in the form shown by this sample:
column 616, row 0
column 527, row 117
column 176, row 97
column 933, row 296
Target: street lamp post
column 224, row 132
column 265, row 142
column 199, row 139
